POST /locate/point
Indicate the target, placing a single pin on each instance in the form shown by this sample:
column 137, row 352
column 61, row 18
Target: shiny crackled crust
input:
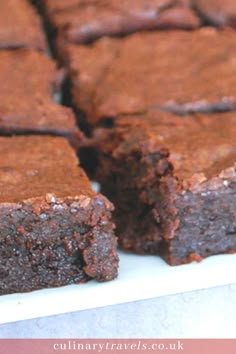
column 79, row 21
column 106, row 76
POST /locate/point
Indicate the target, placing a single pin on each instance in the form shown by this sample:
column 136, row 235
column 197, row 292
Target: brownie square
column 54, row 229
column 173, row 181
column 29, row 81
column 20, row 26
column 78, row 21
column 217, row 12
column 177, row 71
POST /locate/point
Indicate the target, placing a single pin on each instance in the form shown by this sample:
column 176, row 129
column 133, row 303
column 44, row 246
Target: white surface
column 141, row 277
column 208, row 313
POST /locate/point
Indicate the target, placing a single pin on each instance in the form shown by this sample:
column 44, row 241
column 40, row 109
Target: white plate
column 141, row 277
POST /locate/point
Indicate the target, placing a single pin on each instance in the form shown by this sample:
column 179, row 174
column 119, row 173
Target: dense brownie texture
column 80, row 21
column 217, row 12
column 173, row 181
column 54, row 229
column 29, row 81
column 175, row 71
column 20, row 26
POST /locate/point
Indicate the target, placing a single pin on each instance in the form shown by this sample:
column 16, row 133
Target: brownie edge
column 54, row 229
column 173, row 181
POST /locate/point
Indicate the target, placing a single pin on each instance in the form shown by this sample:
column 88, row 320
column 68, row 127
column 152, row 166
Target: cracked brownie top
column 114, row 77
column 83, row 21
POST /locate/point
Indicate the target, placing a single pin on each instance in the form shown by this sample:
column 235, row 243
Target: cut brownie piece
column 29, row 80
column 80, row 21
column 173, row 181
column 20, row 26
column 217, row 12
column 54, row 229
column 162, row 70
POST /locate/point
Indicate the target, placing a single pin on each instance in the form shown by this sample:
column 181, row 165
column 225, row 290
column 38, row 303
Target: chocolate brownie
column 29, row 80
column 20, row 26
column 80, row 21
column 173, row 181
column 176, row 71
column 217, row 12
column 54, row 229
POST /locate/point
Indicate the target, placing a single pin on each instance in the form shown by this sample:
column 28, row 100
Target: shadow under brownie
column 54, row 229
column 173, row 181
